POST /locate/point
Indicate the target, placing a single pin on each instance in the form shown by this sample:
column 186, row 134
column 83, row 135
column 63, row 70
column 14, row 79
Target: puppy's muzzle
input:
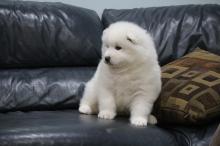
column 107, row 59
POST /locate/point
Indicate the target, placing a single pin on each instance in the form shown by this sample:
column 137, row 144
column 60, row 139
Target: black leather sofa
column 49, row 50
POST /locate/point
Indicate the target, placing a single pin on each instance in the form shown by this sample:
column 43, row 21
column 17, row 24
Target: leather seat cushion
column 69, row 128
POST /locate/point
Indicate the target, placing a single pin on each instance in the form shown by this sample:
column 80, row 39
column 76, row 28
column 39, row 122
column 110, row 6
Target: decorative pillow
column 191, row 89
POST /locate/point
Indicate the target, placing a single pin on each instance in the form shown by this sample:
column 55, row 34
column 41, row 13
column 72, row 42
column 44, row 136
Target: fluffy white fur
column 130, row 81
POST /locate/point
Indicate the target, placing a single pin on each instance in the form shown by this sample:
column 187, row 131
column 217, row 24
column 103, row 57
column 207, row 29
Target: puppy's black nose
column 107, row 59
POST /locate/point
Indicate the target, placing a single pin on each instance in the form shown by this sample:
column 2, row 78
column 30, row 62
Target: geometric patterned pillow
column 191, row 89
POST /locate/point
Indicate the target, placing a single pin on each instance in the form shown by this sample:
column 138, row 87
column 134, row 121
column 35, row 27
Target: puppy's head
column 124, row 43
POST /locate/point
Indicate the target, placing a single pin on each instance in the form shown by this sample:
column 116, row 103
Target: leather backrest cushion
column 42, row 89
column 177, row 30
column 41, row 34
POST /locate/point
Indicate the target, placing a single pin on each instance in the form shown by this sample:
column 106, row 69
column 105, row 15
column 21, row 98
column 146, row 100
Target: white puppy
column 127, row 78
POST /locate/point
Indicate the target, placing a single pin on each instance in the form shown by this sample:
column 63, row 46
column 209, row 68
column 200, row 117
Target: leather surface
column 68, row 128
column 42, row 89
column 40, row 34
column 176, row 30
column 215, row 141
column 194, row 136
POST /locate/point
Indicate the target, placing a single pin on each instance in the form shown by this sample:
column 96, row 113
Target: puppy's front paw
column 138, row 121
column 106, row 115
column 85, row 109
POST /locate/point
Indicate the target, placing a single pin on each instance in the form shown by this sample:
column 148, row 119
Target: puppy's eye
column 118, row 47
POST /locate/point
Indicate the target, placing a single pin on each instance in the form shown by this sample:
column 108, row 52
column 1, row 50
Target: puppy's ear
column 131, row 38
column 105, row 31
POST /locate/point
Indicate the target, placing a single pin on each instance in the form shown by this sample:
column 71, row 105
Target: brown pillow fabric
column 191, row 89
